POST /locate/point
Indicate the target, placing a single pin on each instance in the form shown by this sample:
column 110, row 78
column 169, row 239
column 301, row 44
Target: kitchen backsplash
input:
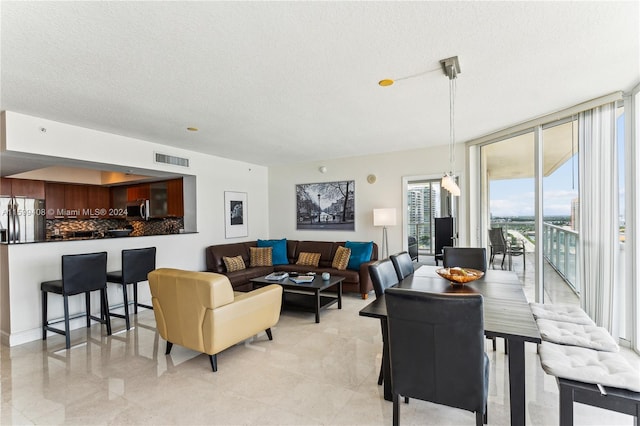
column 66, row 227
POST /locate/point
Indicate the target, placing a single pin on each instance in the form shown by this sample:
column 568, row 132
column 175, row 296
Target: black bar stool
column 136, row 265
column 81, row 273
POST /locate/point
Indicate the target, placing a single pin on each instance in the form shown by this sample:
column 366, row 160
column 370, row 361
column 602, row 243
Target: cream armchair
column 199, row 310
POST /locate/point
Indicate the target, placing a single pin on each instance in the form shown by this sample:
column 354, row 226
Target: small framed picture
column 235, row 214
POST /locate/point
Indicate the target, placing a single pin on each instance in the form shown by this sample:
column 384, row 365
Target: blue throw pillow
column 360, row 253
column 279, row 250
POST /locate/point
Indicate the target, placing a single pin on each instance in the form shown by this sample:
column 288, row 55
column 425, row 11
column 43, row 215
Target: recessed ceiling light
column 192, row 129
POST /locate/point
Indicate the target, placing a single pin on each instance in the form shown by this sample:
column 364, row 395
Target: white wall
column 30, row 264
column 385, row 192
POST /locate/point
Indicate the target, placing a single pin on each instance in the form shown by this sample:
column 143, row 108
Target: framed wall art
column 235, row 214
column 326, row 206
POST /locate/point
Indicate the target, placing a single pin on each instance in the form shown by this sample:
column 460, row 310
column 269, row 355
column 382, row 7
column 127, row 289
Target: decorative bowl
column 459, row 275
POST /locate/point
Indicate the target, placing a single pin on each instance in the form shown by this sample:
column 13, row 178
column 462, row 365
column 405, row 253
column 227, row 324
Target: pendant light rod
column 451, row 68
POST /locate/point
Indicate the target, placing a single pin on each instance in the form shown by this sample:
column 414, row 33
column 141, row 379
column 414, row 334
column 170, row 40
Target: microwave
column 138, row 210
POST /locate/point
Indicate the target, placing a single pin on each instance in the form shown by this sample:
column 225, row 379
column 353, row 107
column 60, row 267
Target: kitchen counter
column 61, row 238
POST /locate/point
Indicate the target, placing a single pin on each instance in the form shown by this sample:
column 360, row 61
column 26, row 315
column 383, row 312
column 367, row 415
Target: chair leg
column 493, row 339
column 396, row 409
column 44, row 315
column 125, row 298
column 104, row 312
column 66, row 322
column 380, row 376
column 135, row 298
column 214, row 362
column 479, row 418
column 87, row 298
column 269, row 335
column 169, row 346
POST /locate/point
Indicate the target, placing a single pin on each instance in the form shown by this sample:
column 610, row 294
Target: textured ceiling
column 273, row 82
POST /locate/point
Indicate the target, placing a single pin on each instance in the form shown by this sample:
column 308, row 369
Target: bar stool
column 136, row 264
column 81, row 273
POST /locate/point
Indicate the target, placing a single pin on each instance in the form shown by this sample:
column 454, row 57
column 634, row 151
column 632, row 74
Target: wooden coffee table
column 308, row 297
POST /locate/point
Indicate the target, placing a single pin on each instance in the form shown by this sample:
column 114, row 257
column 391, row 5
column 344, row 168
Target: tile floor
column 310, row 374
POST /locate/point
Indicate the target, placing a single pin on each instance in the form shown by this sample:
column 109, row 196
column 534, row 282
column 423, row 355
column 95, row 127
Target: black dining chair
column 465, row 257
column 403, row 264
column 468, row 257
column 136, row 265
column 383, row 275
column 81, row 273
column 436, row 348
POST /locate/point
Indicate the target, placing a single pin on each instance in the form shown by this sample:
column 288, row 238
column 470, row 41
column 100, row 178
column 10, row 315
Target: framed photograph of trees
column 326, row 206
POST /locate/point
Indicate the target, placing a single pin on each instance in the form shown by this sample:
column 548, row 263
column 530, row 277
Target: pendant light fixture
column 451, row 68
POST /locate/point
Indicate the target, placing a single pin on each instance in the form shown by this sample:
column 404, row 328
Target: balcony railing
column 561, row 251
column 422, row 232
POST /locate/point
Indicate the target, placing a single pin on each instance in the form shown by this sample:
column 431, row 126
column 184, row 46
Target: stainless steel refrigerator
column 22, row 220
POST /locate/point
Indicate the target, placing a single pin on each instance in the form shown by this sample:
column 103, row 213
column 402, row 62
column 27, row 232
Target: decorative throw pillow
column 308, row 259
column 360, row 253
column 279, row 252
column 233, row 263
column 261, row 256
column 341, row 258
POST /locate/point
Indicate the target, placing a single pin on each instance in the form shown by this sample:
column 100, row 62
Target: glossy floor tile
column 310, row 374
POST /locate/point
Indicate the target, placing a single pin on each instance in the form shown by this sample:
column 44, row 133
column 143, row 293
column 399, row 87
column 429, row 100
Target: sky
column 516, row 197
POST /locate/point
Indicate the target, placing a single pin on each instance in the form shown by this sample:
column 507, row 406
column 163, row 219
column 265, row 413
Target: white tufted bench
column 585, row 360
column 602, row 379
column 584, row 335
column 559, row 312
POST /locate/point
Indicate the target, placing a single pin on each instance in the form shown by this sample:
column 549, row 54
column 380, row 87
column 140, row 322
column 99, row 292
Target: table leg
column 386, row 363
column 317, row 294
column 340, row 295
column 516, row 381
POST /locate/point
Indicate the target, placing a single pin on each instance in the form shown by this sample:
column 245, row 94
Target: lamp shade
column 384, row 217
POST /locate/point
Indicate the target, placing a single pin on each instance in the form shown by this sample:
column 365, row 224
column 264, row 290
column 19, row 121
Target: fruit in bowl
column 460, row 275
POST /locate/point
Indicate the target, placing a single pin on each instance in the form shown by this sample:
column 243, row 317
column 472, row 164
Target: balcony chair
column 412, row 247
column 436, row 349
column 201, row 312
column 136, row 265
column 403, row 264
column 81, row 273
column 500, row 245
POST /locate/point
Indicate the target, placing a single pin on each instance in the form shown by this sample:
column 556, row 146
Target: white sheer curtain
column 599, row 229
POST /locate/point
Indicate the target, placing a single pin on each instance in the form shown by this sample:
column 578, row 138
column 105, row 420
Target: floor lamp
column 384, row 218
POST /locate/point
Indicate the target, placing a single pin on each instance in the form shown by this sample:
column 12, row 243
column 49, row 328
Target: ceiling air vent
column 171, row 159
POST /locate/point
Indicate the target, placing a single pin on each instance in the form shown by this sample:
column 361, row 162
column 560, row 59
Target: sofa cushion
column 360, row 253
column 308, row 259
column 279, row 253
column 233, row 263
column 261, row 256
column 325, row 248
column 341, row 258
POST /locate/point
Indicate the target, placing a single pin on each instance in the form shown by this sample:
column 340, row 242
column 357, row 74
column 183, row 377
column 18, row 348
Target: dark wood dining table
column 507, row 314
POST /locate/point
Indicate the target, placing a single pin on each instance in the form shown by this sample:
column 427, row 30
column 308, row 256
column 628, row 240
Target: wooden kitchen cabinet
column 175, row 201
column 76, row 201
column 54, row 200
column 5, row 187
column 27, row 188
column 98, row 201
column 138, row 192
